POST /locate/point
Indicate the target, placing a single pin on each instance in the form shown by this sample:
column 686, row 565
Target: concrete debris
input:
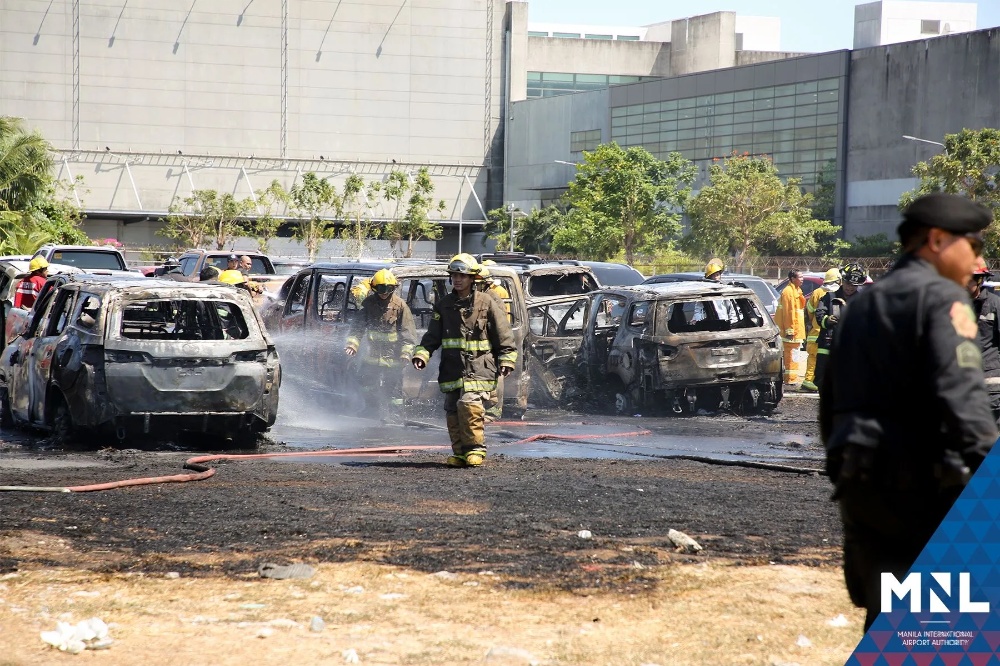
column 839, row 621
column 683, row 541
column 510, row 656
column 585, row 534
column 89, row 634
column 270, row 570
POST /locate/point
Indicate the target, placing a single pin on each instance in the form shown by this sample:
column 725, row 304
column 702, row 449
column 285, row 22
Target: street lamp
column 916, row 138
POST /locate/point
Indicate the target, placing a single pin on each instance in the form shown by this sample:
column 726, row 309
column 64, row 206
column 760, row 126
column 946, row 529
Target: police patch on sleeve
column 964, row 320
column 969, row 355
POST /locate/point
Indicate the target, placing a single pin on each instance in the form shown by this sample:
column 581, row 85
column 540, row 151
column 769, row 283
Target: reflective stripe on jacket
column 475, row 340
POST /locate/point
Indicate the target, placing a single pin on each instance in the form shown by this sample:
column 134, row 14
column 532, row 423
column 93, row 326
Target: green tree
column 25, row 165
column 969, row 164
column 207, row 214
column 746, row 206
column 315, row 206
column 532, row 232
column 623, row 199
column 360, row 199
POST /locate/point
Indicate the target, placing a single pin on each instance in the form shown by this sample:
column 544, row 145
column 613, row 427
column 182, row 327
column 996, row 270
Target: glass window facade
column 795, row 125
column 550, row 84
column 581, row 141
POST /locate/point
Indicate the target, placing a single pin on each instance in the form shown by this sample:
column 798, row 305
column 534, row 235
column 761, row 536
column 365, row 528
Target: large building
column 148, row 100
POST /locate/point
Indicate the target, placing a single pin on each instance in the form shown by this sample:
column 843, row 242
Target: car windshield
column 183, row 319
column 89, row 259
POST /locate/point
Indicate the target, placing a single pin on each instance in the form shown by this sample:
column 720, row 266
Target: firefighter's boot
column 472, row 421
column 457, row 458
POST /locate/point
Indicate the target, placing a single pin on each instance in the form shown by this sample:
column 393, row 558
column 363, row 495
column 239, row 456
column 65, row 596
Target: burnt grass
column 517, row 517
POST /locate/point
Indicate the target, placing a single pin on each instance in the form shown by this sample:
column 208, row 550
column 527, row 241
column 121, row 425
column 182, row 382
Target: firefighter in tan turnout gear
column 477, row 346
column 386, row 324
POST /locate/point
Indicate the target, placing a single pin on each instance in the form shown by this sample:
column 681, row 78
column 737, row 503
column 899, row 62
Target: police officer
column 387, row 323
column 986, row 306
column 904, row 413
column 477, row 345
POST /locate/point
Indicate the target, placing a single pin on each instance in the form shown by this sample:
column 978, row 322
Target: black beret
column 950, row 212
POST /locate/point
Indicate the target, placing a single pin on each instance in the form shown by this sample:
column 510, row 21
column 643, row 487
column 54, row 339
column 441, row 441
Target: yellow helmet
column 37, row 264
column 714, row 266
column 232, row 277
column 465, row 264
column 384, row 277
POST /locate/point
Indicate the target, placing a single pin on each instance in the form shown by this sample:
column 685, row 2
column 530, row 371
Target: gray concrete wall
column 593, row 56
column 703, row 43
column 367, row 80
column 926, row 89
column 540, row 134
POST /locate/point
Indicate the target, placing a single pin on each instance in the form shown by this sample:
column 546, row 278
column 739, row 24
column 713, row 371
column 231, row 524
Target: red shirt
column 27, row 291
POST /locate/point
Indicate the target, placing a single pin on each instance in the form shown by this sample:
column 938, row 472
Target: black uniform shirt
column 905, row 376
column 987, row 308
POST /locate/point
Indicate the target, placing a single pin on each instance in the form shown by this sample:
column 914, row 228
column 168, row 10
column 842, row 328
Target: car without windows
column 311, row 324
column 682, row 346
column 128, row 356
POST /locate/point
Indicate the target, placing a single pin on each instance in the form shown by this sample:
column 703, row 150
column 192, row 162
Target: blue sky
column 812, row 26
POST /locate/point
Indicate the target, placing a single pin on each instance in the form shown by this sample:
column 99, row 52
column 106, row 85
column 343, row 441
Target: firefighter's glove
column 419, row 364
column 505, row 370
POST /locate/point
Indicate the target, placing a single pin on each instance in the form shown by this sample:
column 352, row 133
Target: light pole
column 916, row 138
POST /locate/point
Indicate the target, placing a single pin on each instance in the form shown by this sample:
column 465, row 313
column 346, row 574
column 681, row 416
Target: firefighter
column 831, row 283
column 488, row 286
column 714, row 269
column 386, row 323
column 986, row 306
column 790, row 318
column 903, row 410
column 477, row 346
column 29, row 288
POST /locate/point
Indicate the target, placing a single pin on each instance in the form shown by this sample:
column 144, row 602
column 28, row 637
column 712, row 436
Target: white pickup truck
column 88, row 258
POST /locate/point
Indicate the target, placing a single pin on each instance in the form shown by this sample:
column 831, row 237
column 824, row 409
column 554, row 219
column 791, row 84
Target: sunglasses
column 384, row 288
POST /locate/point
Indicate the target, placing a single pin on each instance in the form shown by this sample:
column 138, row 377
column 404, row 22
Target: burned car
column 680, row 346
column 126, row 356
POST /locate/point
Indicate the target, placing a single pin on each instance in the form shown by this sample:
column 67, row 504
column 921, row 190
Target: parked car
column 809, row 283
column 193, row 261
column 683, row 345
column 84, row 257
column 312, row 320
column 138, row 355
column 768, row 295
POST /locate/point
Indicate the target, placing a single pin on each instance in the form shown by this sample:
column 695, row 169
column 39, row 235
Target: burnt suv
column 130, row 356
column 678, row 346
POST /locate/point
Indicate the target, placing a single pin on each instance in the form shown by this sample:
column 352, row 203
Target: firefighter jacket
column 903, row 396
column 790, row 315
column 812, row 324
column 987, row 309
column 388, row 327
column 829, row 312
column 475, row 341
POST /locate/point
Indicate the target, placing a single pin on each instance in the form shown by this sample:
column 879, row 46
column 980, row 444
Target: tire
column 6, row 416
column 63, row 429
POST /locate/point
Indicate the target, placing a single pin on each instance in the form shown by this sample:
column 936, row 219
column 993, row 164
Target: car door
column 21, row 373
column 43, row 352
column 554, row 337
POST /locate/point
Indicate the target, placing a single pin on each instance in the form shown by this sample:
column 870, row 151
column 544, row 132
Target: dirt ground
column 416, row 563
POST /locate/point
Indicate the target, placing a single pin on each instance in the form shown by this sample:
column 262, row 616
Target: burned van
column 133, row 356
column 682, row 347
